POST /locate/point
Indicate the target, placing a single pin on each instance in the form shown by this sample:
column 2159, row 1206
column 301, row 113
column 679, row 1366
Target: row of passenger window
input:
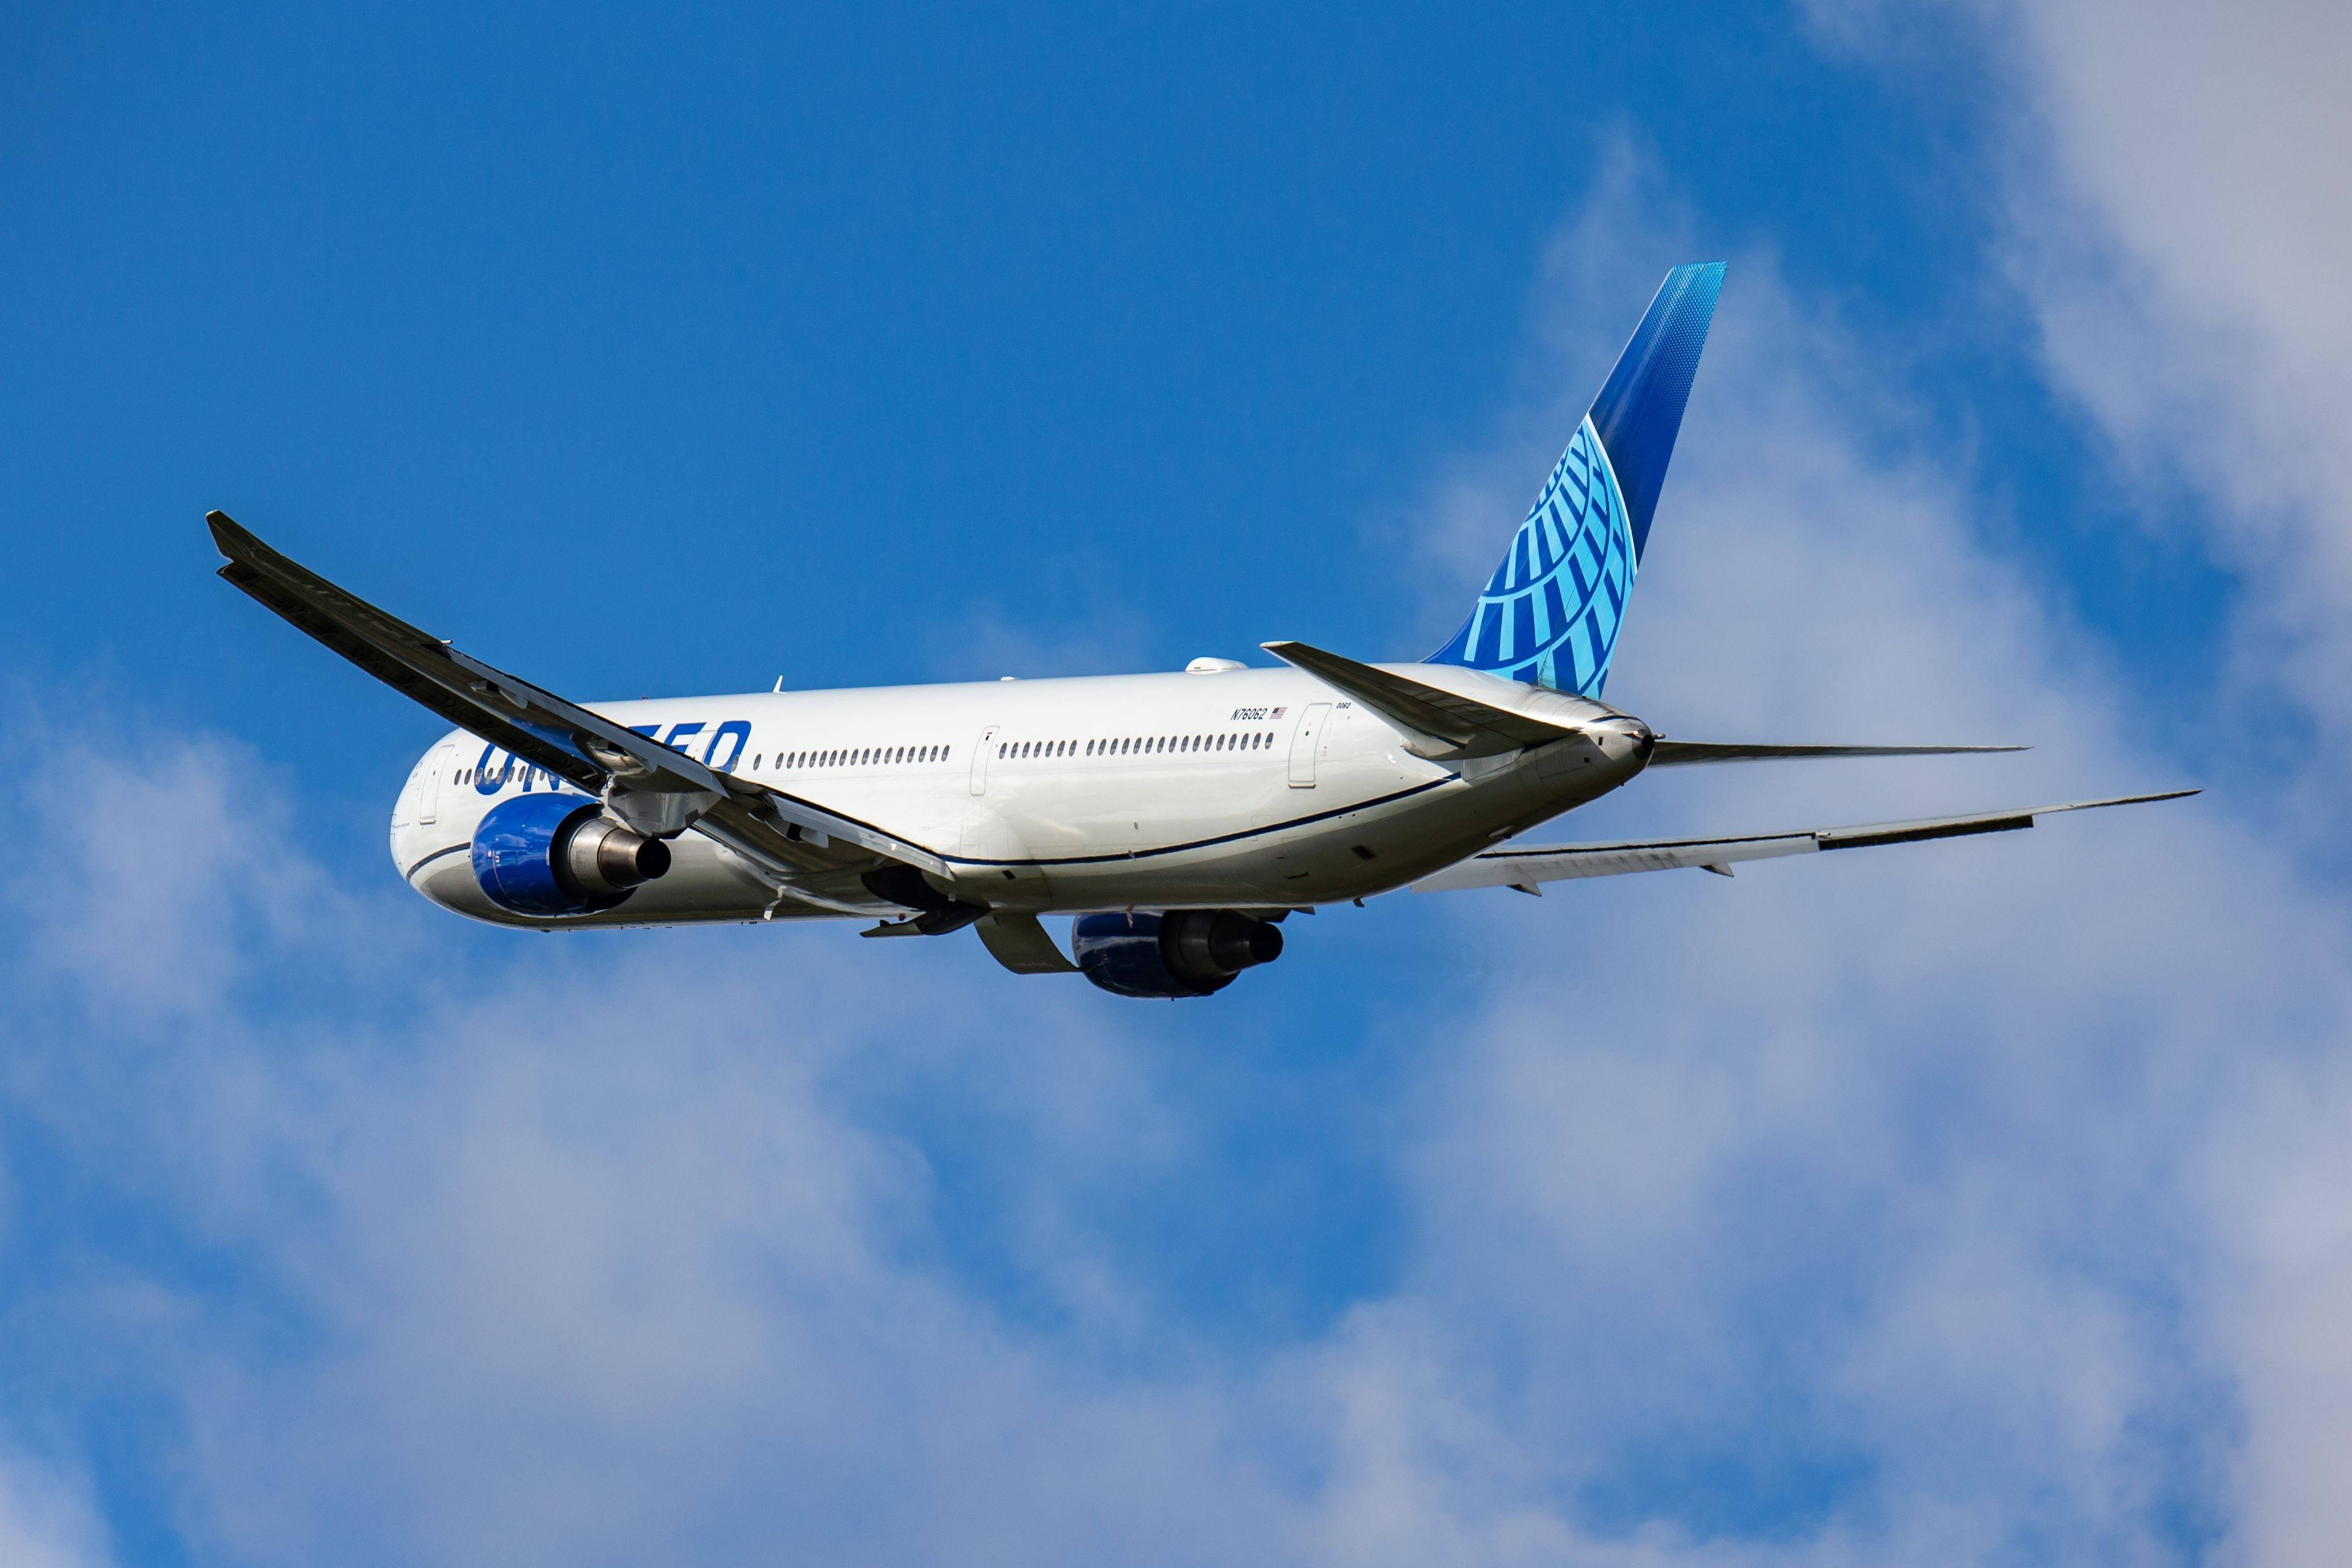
column 886, row 755
column 514, row 769
column 855, row 756
column 1014, row 750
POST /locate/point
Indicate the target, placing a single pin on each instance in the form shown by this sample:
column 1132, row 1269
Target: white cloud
column 2174, row 218
column 44, row 1523
column 1964, row 1203
column 1935, row 1167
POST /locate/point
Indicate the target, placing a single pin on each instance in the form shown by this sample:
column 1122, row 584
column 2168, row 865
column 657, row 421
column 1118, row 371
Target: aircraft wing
column 1456, row 726
column 782, row 831
column 537, row 725
column 1527, row 867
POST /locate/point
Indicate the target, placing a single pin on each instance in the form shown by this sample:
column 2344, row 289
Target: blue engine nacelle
column 1184, row 953
column 559, row 854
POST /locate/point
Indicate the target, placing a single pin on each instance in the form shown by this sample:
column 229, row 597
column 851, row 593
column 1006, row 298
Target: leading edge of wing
column 535, row 724
column 1690, row 753
column 542, row 728
column 1525, row 867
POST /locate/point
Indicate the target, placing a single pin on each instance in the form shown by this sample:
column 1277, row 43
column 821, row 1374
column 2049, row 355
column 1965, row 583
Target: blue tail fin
column 1550, row 613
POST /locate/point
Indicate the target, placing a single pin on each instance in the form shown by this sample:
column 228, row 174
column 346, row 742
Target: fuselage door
column 1305, row 742
column 428, row 789
column 980, row 756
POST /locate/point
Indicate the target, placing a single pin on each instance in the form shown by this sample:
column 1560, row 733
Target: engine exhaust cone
column 605, row 856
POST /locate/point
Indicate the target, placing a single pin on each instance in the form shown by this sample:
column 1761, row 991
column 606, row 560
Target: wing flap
column 818, row 825
column 1533, row 864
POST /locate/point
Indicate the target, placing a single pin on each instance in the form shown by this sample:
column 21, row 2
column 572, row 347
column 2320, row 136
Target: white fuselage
column 1238, row 787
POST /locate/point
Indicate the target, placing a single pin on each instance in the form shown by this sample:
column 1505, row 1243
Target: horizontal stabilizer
column 1527, row 867
column 1454, row 726
column 1688, row 753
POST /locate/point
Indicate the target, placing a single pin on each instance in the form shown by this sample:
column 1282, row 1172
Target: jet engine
column 559, row 854
column 1183, row 952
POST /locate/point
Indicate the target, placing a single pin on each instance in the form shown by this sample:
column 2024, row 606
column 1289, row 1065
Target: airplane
column 1178, row 816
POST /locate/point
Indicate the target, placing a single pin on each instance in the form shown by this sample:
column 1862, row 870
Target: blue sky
column 1974, row 1205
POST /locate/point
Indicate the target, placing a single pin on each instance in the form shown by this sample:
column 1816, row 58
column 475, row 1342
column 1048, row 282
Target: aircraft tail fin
column 1550, row 613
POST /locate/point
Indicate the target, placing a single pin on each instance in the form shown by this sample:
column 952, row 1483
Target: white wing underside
column 1527, row 867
